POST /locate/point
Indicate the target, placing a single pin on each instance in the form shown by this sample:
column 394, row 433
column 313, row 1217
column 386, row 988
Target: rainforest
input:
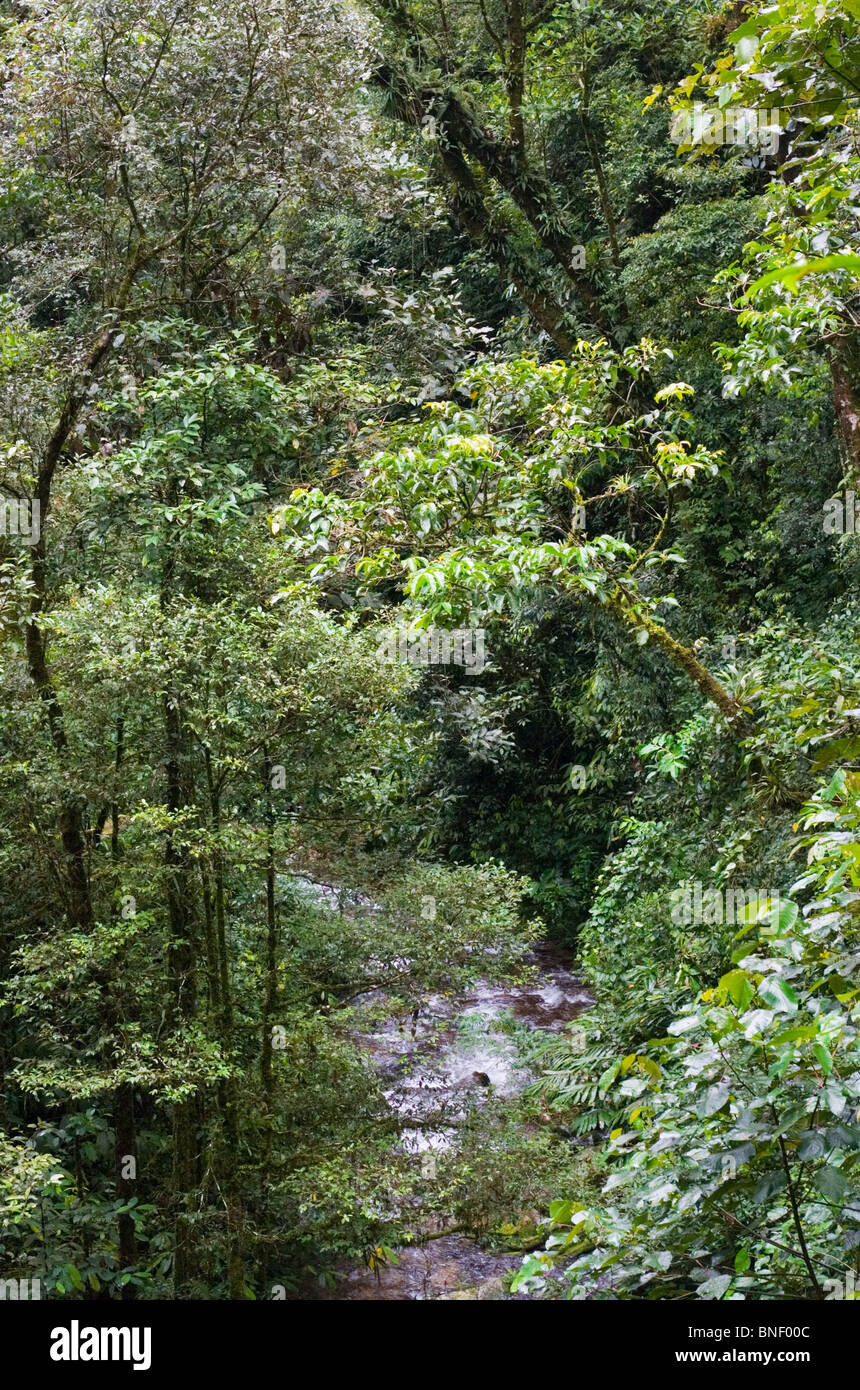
column 429, row 663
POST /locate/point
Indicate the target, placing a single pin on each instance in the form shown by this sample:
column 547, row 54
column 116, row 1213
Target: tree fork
column 469, row 211
column 503, row 162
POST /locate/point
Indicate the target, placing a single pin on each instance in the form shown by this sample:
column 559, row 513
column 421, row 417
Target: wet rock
column 491, row 1291
column 446, row 1275
column 448, row 1058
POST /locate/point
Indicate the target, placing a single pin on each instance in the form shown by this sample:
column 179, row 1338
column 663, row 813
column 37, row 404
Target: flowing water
column 450, row 1057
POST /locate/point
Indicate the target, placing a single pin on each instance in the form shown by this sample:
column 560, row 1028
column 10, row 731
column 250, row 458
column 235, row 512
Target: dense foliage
column 429, row 436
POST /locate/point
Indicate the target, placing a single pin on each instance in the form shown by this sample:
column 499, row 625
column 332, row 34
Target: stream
column 454, row 1055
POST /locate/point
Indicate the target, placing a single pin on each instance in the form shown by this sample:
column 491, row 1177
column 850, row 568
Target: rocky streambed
column 451, row 1056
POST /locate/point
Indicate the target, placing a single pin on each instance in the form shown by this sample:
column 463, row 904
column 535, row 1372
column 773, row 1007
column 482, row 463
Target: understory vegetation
column 429, row 438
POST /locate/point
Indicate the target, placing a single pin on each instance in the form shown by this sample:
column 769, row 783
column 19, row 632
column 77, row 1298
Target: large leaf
column 789, row 275
column 714, row 1099
column 779, row 995
column 831, row 1183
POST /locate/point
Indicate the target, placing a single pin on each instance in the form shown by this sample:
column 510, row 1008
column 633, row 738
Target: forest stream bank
column 455, row 1055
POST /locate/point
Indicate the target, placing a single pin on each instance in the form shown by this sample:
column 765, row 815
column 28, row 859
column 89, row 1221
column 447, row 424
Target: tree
column 796, row 292
column 114, row 122
column 481, row 505
column 491, row 89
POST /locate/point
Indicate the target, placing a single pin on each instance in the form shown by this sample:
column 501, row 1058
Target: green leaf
column 779, row 995
column 779, row 919
column 714, row 1099
column 789, row 275
column 739, row 988
column 831, row 1183
column 608, row 1076
column 768, row 1186
column 715, row 1287
column 811, row 1146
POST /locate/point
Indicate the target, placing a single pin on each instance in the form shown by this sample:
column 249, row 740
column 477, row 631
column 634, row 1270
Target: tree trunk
column 271, row 995
column 71, row 812
column 228, row 1090
column 845, row 373
column 470, row 213
column 183, row 990
column 125, row 1138
column 125, row 1149
column 459, row 130
column 682, row 656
